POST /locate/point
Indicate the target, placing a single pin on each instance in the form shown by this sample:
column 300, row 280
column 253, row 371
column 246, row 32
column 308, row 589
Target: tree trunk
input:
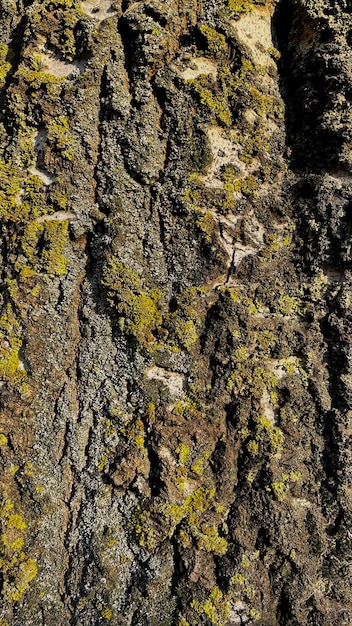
column 175, row 311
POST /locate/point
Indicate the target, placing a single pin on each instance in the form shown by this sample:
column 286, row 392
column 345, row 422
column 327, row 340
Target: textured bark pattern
column 175, row 182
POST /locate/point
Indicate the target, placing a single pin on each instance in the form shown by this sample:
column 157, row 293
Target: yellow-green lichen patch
column 281, row 486
column 184, row 323
column 16, row 521
column 213, row 100
column 5, row 64
column 3, row 440
column 37, row 78
column 135, row 433
column 181, row 621
column 210, row 540
column 265, row 433
column 107, row 614
column 196, row 519
column 189, row 409
column 55, row 238
column 183, row 452
column 11, row 368
column 189, row 462
column 216, row 41
column 240, row 7
column 16, row 568
column 241, row 159
column 136, row 306
column 22, row 197
column 241, row 587
column 255, row 383
column 248, row 186
column 10, row 188
column 59, row 18
column 216, row 607
column 206, row 223
column 43, row 244
column 60, row 136
column 33, row 204
column 249, row 376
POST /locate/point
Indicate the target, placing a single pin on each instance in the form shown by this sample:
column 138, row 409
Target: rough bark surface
column 175, row 203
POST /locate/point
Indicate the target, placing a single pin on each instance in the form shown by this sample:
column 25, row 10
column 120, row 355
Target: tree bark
column 175, row 312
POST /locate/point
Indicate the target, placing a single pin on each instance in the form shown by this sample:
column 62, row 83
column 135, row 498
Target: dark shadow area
column 14, row 57
column 308, row 85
